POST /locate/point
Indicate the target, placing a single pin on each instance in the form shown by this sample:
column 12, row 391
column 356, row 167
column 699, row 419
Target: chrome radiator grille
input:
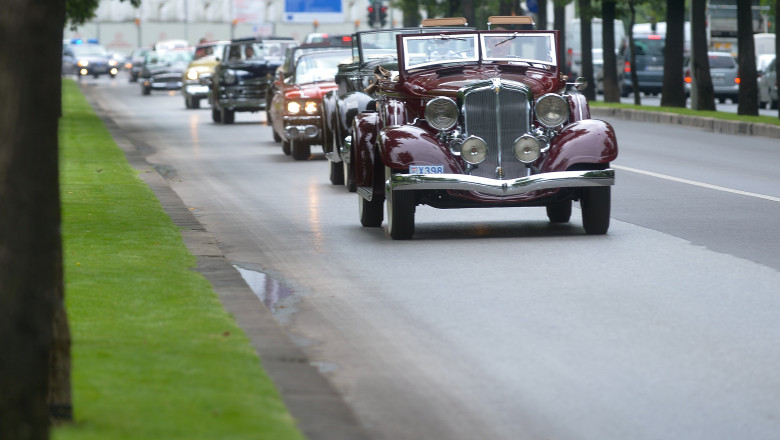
column 498, row 118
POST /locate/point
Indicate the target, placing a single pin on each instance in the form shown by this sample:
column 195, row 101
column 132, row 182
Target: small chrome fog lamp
column 473, row 150
column 527, row 148
column 441, row 113
column 552, row 110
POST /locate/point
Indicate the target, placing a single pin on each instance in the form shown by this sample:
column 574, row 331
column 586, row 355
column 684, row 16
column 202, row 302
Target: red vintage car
column 295, row 111
column 480, row 119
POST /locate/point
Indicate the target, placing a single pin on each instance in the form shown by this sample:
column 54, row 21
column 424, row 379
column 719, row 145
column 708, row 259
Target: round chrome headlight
column 192, row 75
column 473, row 150
column 441, row 113
column 230, row 77
column 527, row 148
column 552, row 110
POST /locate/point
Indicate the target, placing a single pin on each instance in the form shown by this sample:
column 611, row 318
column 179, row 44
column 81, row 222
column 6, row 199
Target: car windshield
column 377, row 45
column 436, row 49
column 722, row 62
column 515, row 47
column 320, row 66
column 89, row 50
column 518, row 46
column 653, row 46
column 168, row 57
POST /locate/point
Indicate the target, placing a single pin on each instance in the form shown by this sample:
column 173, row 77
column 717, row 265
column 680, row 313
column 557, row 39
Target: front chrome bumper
column 463, row 182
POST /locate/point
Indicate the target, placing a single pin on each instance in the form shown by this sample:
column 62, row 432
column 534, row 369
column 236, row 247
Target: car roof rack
column 510, row 20
column 446, row 21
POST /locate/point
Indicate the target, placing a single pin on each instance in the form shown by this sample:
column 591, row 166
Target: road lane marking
column 701, row 184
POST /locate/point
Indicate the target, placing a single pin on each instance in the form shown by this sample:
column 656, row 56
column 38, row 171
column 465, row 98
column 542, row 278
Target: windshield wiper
column 508, row 39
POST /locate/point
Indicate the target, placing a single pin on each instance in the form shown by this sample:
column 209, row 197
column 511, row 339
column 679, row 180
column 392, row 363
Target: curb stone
column 319, row 410
column 710, row 124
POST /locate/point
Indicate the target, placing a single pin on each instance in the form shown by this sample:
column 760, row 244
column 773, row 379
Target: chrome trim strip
column 463, row 182
column 333, row 156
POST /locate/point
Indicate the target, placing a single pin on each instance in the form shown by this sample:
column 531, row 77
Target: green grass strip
column 155, row 355
column 761, row 119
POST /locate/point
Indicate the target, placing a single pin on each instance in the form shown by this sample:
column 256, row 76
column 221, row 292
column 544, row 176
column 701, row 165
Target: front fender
column 406, row 145
column 328, row 120
column 589, row 141
column 347, row 108
column 364, row 130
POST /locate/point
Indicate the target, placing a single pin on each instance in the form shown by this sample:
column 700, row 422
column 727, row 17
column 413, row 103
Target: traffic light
column 372, row 11
column 383, row 15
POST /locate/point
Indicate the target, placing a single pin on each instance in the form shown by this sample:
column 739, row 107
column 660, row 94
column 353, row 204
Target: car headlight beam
column 441, row 113
column 293, row 107
column 310, row 107
column 192, row 75
column 473, row 150
column 552, row 110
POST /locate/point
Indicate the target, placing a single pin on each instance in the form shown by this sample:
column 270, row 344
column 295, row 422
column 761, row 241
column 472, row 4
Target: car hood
column 311, row 90
column 448, row 82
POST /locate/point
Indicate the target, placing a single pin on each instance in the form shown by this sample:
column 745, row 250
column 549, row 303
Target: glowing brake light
column 736, row 80
column 627, row 67
column 654, row 37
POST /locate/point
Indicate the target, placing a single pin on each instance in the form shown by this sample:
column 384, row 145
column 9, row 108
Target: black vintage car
column 163, row 70
column 241, row 78
column 370, row 50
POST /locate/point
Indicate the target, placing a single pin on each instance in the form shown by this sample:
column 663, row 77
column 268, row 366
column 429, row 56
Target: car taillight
column 688, row 78
column 736, row 80
column 627, row 67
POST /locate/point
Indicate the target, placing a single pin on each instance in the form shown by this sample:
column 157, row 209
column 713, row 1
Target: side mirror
column 581, row 83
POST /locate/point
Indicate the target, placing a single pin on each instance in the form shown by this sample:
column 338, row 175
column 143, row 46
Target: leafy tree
column 673, row 91
column 747, row 101
column 702, row 92
column 559, row 23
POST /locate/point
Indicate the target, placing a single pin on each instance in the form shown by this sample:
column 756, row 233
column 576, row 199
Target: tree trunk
column 412, row 17
column 777, row 43
column 586, row 36
column 541, row 16
column 611, row 86
column 702, row 92
column 559, row 23
column 30, row 242
column 748, row 86
column 673, row 91
column 632, row 55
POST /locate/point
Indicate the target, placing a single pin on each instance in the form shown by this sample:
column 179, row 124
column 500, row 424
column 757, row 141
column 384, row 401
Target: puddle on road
column 270, row 291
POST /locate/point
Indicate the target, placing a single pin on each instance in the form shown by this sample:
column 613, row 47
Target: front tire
column 300, row 150
column 371, row 213
column 336, row 173
column 595, row 203
column 228, row 116
column 559, row 212
column 400, row 214
column 286, row 148
column 216, row 115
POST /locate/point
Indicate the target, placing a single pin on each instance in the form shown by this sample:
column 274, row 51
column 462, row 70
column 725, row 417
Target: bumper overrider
column 306, row 128
column 497, row 187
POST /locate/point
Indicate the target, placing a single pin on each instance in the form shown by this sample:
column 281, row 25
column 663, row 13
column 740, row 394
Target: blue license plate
column 426, row 169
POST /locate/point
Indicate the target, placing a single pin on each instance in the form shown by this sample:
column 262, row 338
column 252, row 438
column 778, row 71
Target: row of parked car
column 442, row 115
column 724, row 71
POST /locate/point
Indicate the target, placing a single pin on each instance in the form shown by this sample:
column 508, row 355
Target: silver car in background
column 767, row 85
column 724, row 71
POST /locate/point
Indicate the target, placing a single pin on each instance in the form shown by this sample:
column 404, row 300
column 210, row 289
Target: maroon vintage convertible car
column 480, row 119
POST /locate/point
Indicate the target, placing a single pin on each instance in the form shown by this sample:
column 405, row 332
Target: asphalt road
column 493, row 323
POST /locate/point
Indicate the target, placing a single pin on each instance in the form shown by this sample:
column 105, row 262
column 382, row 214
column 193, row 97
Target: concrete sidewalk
column 706, row 123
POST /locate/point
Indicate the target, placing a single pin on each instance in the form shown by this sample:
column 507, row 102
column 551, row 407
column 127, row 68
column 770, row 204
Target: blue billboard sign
column 306, row 11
